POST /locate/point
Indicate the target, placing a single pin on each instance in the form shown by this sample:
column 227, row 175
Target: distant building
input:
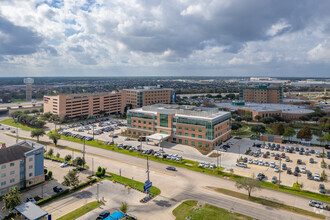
column 88, row 105
column 261, row 94
column 148, row 95
column 28, row 82
column 203, row 128
column 21, row 165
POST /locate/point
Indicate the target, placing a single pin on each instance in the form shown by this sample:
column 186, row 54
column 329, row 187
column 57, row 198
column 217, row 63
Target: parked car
column 103, row 215
column 274, row 179
column 256, row 161
column 317, row 177
column 245, row 159
column 241, row 164
column 309, row 175
column 272, row 164
column 295, row 173
column 322, row 189
column 261, row 176
column 277, row 169
column 311, row 160
column 171, row 168
column 65, row 164
column 299, row 161
column 266, row 164
column 57, row 189
column 297, row 169
column 287, row 159
column 316, row 204
column 288, row 171
column 303, row 170
column 284, row 167
column 261, row 163
column 201, row 164
column 250, row 161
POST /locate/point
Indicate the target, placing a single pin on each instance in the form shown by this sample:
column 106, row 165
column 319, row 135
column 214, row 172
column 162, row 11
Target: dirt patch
column 214, row 155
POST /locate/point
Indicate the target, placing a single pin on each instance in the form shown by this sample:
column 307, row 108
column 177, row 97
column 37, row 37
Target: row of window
column 192, row 129
column 193, row 143
column 144, row 122
column 192, row 135
column 10, row 173
column 3, row 166
column 3, row 183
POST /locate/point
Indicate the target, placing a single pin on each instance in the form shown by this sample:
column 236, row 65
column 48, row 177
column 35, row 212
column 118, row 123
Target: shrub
column 99, row 169
column 103, row 171
column 68, row 157
column 45, row 171
column 58, row 155
column 50, row 174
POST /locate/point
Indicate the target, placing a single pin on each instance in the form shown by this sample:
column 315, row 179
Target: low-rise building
column 199, row 127
column 21, row 165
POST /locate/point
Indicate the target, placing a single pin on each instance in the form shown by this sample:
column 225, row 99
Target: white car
column 256, row 161
column 266, row 164
column 272, row 164
column 65, row 164
column 201, row 165
column 261, row 163
column 303, row 169
column 317, row 177
column 250, row 161
column 277, row 169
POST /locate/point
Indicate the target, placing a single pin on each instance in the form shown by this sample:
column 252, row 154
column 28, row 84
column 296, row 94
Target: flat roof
column 186, row 111
column 264, row 107
column 31, row 211
column 158, row 137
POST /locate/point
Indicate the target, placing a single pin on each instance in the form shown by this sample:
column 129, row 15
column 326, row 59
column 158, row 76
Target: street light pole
column 148, row 168
column 218, row 161
column 83, row 152
column 279, row 173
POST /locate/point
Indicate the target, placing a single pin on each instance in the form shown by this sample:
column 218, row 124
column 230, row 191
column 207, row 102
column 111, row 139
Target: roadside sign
column 147, row 181
column 147, row 186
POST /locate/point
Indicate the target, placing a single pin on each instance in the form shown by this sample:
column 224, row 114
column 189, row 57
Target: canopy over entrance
column 31, row 211
column 158, row 137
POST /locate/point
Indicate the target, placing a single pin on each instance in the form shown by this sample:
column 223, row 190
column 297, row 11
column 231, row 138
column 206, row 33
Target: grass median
column 81, row 211
column 191, row 209
column 193, row 165
column 270, row 203
column 11, row 122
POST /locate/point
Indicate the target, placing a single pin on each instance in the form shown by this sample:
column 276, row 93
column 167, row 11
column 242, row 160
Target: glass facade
column 163, row 120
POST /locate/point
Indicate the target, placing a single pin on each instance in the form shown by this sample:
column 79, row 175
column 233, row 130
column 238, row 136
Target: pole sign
column 147, row 186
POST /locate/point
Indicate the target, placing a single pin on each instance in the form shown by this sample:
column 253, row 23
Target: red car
column 264, row 156
column 276, row 158
column 283, row 155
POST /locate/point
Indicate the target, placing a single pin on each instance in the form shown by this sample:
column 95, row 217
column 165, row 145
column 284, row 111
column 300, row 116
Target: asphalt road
column 182, row 185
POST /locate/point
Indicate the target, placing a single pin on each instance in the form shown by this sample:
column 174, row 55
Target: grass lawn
column 132, row 183
column 10, row 122
column 270, row 203
column 80, row 211
column 207, row 212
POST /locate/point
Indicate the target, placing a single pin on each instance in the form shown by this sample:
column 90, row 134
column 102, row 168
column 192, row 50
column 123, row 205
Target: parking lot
column 269, row 165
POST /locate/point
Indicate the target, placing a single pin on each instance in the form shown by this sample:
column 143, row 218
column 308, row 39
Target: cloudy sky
column 165, row 38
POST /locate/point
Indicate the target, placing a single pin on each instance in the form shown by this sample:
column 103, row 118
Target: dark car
column 302, row 149
column 296, row 149
column 311, row 160
column 309, row 175
column 245, row 159
column 57, row 189
column 289, row 171
column 284, row 167
column 103, row 215
column 171, row 168
column 283, row 155
column 261, row 176
column 322, row 189
column 297, row 169
column 295, row 173
column 299, row 161
column 312, row 151
column 301, row 153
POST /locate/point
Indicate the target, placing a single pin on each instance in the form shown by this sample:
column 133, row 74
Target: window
column 163, row 120
column 186, row 142
column 3, row 175
column 199, row 130
column 139, row 127
column 180, row 133
column 12, row 180
column 3, row 166
column 3, row 183
column 180, row 141
column 30, row 174
column 30, row 167
column 134, row 120
column 199, row 136
column 149, row 123
column 207, row 145
column 200, row 144
column 12, row 172
column 139, row 121
column 30, row 159
column 180, row 127
column 186, row 134
column 193, row 135
column 193, row 143
column 193, row 129
column 186, row 128
column 144, row 128
column 144, row 122
column 12, row 164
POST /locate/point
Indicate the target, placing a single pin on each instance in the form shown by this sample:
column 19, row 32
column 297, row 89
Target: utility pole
column 92, row 166
column 93, row 130
column 218, row 161
column 16, row 135
column 148, row 169
column 279, row 173
column 83, row 152
column 97, row 192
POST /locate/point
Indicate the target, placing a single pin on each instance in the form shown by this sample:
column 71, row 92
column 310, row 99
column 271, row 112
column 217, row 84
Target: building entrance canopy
column 158, row 137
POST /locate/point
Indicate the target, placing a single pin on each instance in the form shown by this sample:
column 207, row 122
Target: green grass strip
column 270, row 203
column 10, row 122
column 132, row 183
column 81, row 211
column 190, row 209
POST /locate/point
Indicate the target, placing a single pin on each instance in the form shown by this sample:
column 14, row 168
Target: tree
column 248, row 184
column 257, row 117
column 278, row 128
column 258, row 129
column 37, row 133
column 67, row 157
column 289, row 132
column 268, row 120
column 326, row 137
column 124, row 207
column 71, row 179
column 305, row 133
column 78, row 161
column 50, row 152
column 235, row 126
column 58, row 155
column 55, row 137
column 247, row 118
column 11, row 199
column 304, row 118
column 50, row 174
